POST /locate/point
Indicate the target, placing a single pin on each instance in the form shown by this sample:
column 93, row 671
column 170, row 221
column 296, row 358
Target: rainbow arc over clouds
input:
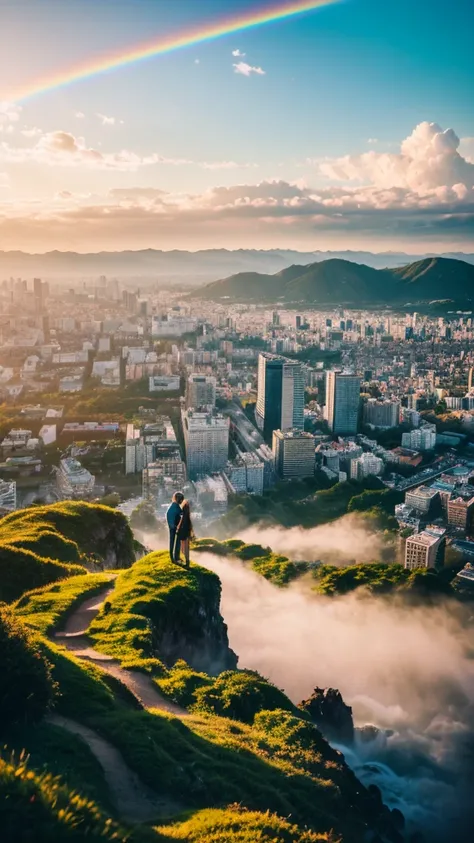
column 168, row 44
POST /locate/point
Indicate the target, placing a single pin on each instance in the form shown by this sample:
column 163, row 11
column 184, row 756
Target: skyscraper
column 280, row 398
column 342, row 402
column 206, row 437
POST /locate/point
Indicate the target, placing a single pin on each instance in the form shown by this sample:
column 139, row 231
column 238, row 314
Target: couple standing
column 180, row 526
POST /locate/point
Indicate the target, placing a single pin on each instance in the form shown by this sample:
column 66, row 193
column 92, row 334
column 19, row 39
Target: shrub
column 240, row 695
column 27, row 688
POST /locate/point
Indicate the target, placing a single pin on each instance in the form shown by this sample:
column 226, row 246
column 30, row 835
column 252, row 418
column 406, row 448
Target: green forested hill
column 337, row 281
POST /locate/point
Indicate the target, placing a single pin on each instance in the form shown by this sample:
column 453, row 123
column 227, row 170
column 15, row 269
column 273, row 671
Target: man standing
column 173, row 517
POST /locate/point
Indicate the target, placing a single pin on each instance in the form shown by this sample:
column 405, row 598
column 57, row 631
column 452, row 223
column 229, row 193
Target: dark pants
column 174, row 545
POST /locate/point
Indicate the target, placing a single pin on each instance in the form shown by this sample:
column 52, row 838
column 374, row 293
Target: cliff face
column 160, row 610
column 194, row 630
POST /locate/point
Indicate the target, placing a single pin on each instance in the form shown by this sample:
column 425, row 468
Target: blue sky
column 347, row 80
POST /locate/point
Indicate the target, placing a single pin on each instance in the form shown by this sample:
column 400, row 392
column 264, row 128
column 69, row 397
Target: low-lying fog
column 407, row 670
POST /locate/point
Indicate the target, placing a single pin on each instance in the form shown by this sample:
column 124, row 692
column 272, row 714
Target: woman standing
column 185, row 531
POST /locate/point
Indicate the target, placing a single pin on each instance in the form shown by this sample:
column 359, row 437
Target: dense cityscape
column 112, row 389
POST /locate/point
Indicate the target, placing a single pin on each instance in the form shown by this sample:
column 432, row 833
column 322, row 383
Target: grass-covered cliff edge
column 123, row 715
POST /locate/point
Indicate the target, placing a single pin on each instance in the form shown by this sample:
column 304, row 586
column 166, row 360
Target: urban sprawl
column 111, row 389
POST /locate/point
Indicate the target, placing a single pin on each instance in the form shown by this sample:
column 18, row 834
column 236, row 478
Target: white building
column 135, row 451
column 172, row 325
column 366, row 465
column 206, row 437
column 212, row 493
column 160, row 383
column 421, row 439
column 73, row 480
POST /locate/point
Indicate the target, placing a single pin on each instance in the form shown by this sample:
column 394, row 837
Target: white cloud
column 372, row 141
column 245, row 69
column 63, row 149
column 80, row 115
column 197, row 61
column 466, row 148
column 428, row 160
column 238, row 55
column 9, row 112
column 391, row 202
column 106, row 121
column 31, row 133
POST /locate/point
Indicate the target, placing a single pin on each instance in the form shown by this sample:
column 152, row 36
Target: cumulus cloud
column 245, row 69
column 422, row 194
column 106, row 121
column 238, row 54
column 9, row 112
column 65, row 150
column 80, row 115
column 33, row 132
column 429, row 159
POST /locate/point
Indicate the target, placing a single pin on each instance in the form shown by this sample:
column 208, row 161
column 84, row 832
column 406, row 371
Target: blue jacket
column 173, row 515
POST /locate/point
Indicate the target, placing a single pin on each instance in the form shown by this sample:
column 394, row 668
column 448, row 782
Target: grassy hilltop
column 139, row 727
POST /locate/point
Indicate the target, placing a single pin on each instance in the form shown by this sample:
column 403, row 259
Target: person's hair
column 178, row 497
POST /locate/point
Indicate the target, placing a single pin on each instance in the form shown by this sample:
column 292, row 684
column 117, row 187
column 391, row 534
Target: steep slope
column 337, row 281
column 435, row 278
column 270, row 760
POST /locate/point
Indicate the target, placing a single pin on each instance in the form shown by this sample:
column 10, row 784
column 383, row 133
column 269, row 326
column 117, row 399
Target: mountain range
column 337, row 281
column 183, row 267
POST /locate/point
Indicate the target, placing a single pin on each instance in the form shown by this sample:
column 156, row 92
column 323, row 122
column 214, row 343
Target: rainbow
column 171, row 43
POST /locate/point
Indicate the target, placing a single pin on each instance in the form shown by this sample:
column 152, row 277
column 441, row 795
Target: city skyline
column 337, row 127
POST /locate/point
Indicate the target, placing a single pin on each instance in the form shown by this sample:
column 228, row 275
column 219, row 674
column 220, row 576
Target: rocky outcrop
column 197, row 633
column 331, row 715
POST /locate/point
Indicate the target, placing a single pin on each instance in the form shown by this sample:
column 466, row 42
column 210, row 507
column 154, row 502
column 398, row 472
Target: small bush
column 27, row 688
column 240, row 695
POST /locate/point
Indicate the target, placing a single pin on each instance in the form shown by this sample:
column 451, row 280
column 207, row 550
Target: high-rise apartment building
column 280, row 398
column 200, row 392
column 366, row 465
column 342, row 402
column 421, row 439
column 206, row 437
column 382, row 413
column 293, row 453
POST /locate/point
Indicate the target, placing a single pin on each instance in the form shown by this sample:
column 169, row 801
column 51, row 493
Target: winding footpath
column 135, row 802
column 74, row 637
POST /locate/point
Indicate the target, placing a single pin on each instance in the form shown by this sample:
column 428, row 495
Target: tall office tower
column 38, row 293
column 470, row 379
column 200, row 392
column 293, row 453
column 206, row 438
column 342, row 402
column 280, row 397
